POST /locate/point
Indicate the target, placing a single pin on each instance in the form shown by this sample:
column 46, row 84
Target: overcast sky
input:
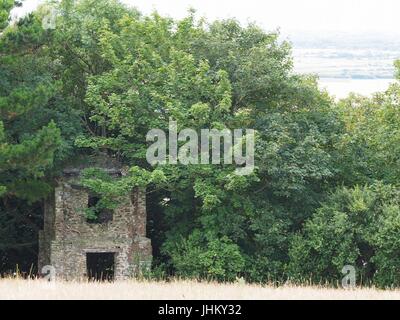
column 292, row 16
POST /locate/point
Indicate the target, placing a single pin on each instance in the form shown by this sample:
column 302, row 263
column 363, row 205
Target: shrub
column 207, row 257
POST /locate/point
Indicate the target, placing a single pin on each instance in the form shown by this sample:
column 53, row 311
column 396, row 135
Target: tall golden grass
column 11, row 289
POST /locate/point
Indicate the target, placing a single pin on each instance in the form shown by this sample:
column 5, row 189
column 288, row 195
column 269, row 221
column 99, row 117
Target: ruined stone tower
column 112, row 247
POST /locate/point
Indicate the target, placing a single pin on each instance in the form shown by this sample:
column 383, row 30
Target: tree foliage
column 107, row 75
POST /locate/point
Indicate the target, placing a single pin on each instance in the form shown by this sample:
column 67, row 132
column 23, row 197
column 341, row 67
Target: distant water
column 340, row 88
column 348, row 62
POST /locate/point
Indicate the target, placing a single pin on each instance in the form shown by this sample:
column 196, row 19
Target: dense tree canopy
column 323, row 193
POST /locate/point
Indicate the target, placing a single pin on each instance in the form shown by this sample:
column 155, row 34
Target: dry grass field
column 178, row 290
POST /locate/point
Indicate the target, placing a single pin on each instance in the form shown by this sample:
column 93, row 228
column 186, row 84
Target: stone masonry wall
column 67, row 237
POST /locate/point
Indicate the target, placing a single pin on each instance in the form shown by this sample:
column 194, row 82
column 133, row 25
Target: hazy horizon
column 291, row 17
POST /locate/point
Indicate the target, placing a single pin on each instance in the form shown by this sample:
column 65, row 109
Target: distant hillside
column 344, row 56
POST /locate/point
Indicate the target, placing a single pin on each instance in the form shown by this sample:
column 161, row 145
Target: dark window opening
column 102, row 216
column 100, row 266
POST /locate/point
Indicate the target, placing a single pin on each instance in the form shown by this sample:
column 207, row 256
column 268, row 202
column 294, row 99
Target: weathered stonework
column 67, row 237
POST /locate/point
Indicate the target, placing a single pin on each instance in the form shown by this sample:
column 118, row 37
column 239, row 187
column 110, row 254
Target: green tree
column 353, row 227
column 369, row 147
column 29, row 137
column 126, row 74
column 25, row 151
column 108, row 74
column 5, row 7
